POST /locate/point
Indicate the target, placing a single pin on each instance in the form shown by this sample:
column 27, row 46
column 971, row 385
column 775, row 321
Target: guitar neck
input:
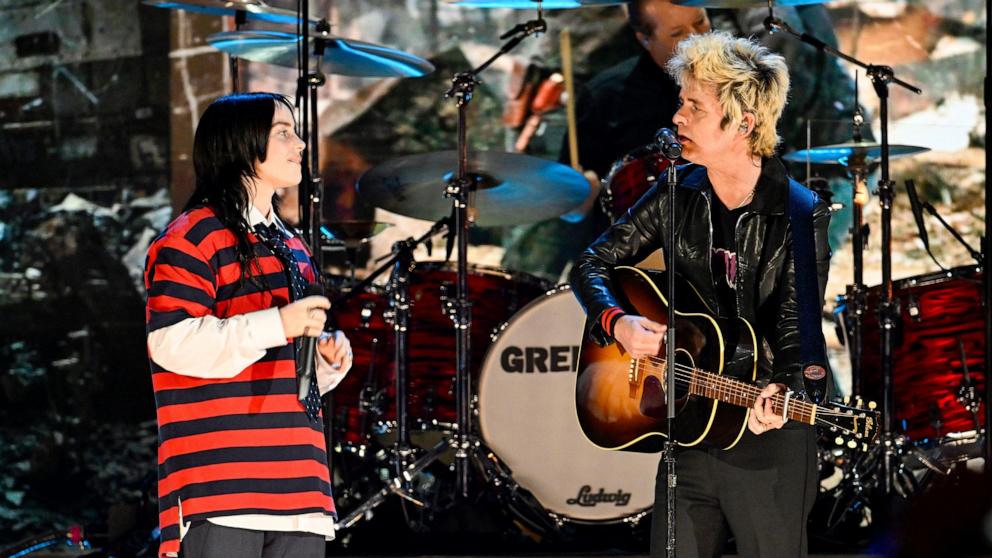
column 741, row 394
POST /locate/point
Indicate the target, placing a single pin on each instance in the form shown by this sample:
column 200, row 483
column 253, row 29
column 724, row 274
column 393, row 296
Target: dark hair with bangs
column 232, row 134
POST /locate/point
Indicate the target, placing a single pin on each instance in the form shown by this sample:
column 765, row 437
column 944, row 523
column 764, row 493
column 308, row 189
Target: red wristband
column 609, row 318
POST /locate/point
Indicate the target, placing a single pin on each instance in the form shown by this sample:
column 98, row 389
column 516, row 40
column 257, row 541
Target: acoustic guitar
column 621, row 401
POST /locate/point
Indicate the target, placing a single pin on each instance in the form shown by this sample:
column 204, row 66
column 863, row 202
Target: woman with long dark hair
column 242, row 460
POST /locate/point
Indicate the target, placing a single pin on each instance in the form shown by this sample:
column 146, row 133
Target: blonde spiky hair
column 747, row 76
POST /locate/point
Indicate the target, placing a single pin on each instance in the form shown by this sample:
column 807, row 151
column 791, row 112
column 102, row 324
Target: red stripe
column 253, row 302
column 244, row 470
column 268, row 370
column 167, row 548
column 240, row 438
column 216, row 241
column 604, row 321
column 168, row 516
column 166, row 303
column 231, row 273
column 257, row 500
column 247, row 405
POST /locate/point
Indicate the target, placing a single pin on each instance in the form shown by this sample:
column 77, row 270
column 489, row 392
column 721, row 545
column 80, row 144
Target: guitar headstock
column 855, row 422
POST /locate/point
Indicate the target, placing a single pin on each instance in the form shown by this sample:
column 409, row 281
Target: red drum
column 495, row 294
column 630, row 177
column 366, row 399
column 362, row 319
column 940, row 314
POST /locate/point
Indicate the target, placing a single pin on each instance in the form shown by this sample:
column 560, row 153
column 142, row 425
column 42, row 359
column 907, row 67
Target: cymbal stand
column 458, row 189
column 888, row 308
column 311, row 188
column 859, row 239
column 401, row 262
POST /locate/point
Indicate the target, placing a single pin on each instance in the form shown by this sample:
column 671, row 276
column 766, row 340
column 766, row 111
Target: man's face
column 699, row 119
column 670, row 24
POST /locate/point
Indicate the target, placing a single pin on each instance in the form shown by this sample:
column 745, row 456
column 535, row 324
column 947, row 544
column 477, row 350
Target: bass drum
column 527, row 418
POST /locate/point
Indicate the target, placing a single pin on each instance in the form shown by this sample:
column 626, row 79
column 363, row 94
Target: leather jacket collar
column 771, row 195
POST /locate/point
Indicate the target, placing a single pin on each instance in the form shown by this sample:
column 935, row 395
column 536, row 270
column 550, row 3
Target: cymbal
column 344, row 57
column 254, row 10
column 532, row 4
column 511, row 189
column 355, row 232
column 849, row 154
column 736, row 4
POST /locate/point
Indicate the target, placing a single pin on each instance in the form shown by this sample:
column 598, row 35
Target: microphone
column 306, row 357
column 669, row 143
column 914, row 202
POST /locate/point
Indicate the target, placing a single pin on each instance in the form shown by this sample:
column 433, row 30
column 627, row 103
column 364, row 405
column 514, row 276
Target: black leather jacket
column 766, row 288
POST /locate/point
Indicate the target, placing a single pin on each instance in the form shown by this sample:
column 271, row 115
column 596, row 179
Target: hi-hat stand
column 459, row 189
column 881, row 77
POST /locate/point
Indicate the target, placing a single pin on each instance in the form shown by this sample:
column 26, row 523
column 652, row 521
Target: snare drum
column 527, row 417
column 630, row 177
column 940, row 316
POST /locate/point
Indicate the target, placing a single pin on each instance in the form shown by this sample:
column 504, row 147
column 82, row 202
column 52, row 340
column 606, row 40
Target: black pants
column 207, row 540
column 761, row 491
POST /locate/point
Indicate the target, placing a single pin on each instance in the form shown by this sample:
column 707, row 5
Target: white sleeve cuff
column 265, row 328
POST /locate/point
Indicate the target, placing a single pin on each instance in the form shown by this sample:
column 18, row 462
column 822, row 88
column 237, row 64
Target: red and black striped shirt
column 241, row 445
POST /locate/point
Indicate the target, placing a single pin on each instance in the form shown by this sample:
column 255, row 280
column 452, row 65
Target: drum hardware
column 918, row 207
column 458, row 188
column 968, row 392
column 349, row 237
column 881, row 77
column 401, row 454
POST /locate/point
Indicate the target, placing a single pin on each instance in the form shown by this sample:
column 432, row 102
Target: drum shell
column 495, row 294
column 935, row 311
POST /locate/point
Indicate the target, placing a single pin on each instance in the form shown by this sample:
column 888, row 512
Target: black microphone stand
column 458, row 189
column 888, row 308
column 669, row 447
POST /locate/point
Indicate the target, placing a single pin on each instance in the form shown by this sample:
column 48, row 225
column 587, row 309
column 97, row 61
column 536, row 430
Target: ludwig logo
column 587, row 499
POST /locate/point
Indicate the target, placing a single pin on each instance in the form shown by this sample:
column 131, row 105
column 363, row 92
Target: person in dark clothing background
column 620, row 109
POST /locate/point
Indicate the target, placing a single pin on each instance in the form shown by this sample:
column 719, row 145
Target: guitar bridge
column 632, row 370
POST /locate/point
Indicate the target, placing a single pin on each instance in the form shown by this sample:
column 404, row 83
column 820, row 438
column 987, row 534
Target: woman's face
column 283, row 166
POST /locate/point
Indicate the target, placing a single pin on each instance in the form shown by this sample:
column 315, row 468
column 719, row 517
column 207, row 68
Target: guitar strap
column 802, row 202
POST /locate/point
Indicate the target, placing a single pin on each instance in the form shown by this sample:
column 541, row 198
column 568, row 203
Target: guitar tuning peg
column 847, row 399
column 872, row 405
column 852, row 444
column 839, row 441
column 864, row 447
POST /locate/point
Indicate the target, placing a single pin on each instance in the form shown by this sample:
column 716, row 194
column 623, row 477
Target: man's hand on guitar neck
column 762, row 417
column 639, row 336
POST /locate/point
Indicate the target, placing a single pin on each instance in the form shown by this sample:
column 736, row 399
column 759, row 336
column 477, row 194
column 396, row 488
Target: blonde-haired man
column 735, row 247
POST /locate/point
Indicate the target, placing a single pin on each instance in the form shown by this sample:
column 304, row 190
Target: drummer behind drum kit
column 517, row 339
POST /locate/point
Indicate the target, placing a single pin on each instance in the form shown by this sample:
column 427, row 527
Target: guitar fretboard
column 736, row 392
